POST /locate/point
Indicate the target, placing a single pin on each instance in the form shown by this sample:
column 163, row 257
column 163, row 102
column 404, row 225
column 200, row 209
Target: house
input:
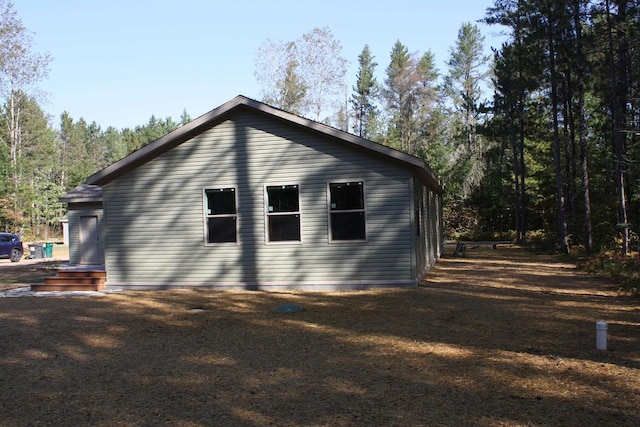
column 249, row 196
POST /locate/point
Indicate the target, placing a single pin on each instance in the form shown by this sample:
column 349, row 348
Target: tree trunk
column 516, row 174
column 618, row 73
column 582, row 132
column 569, row 139
column 560, row 198
column 519, row 138
column 14, row 141
column 522, row 169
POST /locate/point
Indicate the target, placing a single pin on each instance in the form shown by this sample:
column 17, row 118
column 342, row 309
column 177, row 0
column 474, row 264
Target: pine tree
column 397, row 95
column 76, row 160
column 184, row 117
column 292, row 90
column 37, row 164
column 364, row 95
column 468, row 71
column 20, row 69
column 578, row 7
column 114, row 146
column 410, row 94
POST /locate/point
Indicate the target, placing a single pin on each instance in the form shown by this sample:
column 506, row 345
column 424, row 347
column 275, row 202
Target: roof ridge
column 190, row 129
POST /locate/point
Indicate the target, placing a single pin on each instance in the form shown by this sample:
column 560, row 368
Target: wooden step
column 65, row 287
column 80, row 273
column 77, row 280
column 73, row 280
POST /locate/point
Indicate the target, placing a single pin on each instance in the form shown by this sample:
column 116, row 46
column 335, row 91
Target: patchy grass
column 624, row 271
column 497, row 338
column 25, row 273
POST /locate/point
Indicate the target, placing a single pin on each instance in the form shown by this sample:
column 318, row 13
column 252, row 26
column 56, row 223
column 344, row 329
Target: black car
column 10, row 247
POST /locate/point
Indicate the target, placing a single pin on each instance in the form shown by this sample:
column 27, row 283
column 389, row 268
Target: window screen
column 347, row 214
column 283, row 213
column 221, row 215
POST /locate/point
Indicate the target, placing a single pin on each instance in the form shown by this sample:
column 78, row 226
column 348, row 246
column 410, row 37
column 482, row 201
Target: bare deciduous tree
column 20, row 69
column 306, row 76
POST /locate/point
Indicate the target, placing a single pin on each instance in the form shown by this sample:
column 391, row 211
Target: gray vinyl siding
column 155, row 213
column 74, row 213
column 428, row 243
column 419, row 222
column 436, row 235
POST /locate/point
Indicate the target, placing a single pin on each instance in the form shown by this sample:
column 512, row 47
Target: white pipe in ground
column 601, row 335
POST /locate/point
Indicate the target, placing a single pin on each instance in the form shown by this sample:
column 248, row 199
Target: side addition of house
column 249, row 196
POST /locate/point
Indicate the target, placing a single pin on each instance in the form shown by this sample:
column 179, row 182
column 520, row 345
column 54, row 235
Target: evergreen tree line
column 49, row 162
column 38, row 163
column 414, row 107
column 552, row 155
column 565, row 122
column 537, row 140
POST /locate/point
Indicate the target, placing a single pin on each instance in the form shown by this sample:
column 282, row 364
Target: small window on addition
column 347, row 216
column 283, row 213
column 221, row 215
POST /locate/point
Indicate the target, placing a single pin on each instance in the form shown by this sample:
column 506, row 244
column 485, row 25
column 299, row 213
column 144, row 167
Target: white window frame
column 363, row 210
column 207, row 215
column 268, row 214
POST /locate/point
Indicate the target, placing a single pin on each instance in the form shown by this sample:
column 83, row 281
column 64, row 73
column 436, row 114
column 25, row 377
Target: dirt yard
column 497, row 338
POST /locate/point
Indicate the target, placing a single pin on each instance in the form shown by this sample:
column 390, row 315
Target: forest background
column 536, row 143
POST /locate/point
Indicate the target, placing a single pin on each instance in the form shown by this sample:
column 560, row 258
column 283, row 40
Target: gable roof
column 217, row 115
column 84, row 193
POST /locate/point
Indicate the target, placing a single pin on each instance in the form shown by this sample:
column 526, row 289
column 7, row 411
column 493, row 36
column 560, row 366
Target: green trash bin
column 48, row 250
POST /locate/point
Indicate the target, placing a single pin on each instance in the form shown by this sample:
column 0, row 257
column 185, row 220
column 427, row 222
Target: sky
column 118, row 62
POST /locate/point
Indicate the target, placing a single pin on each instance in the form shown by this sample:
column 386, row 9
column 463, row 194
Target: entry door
column 89, row 240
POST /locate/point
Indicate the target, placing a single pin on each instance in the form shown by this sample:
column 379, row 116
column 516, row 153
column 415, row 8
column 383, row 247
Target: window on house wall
column 347, row 215
column 283, row 213
column 221, row 215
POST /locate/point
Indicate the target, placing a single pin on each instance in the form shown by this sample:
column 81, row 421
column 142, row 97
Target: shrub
column 622, row 270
